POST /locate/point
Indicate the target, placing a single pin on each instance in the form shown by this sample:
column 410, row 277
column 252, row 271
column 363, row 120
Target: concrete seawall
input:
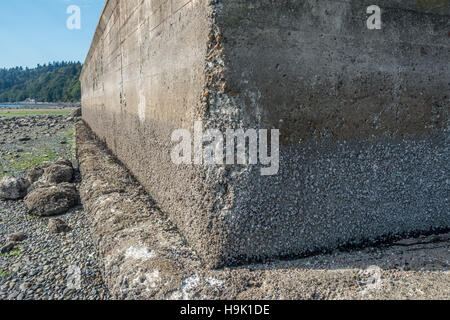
column 363, row 116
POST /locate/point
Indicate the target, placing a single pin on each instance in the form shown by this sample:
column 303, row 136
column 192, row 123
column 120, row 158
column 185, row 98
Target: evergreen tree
column 55, row 82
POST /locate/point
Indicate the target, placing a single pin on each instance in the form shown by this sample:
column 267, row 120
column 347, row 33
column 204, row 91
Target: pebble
column 39, row 266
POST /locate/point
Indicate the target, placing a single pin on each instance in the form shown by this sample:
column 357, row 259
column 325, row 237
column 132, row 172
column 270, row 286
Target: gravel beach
column 44, row 265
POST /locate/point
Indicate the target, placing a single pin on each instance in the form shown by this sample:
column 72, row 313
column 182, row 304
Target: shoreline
column 40, row 105
column 27, row 112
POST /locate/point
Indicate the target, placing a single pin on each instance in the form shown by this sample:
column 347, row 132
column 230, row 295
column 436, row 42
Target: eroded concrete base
column 145, row 257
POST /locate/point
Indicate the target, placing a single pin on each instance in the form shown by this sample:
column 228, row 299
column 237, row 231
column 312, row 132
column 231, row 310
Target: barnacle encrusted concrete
column 363, row 116
column 143, row 256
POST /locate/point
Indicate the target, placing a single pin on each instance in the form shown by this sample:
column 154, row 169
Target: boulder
column 52, row 200
column 7, row 248
column 12, row 188
column 58, row 226
column 57, row 173
column 50, row 173
column 64, row 162
column 76, row 113
column 35, row 174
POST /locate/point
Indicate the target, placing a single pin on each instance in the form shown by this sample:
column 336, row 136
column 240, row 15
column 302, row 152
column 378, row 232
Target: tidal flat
column 27, row 141
column 24, row 112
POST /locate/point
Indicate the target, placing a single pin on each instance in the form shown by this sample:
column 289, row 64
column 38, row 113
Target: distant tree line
column 54, row 82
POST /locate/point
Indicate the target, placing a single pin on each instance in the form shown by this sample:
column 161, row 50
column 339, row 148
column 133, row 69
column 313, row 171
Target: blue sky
column 35, row 31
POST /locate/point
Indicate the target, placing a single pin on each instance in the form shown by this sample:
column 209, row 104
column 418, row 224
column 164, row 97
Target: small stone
column 16, row 267
column 58, row 226
column 17, row 237
column 13, row 295
column 408, row 242
column 24, row 286
column 7, row 248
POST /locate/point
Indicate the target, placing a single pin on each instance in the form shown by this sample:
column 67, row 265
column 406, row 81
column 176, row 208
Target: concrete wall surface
column 363, row 116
